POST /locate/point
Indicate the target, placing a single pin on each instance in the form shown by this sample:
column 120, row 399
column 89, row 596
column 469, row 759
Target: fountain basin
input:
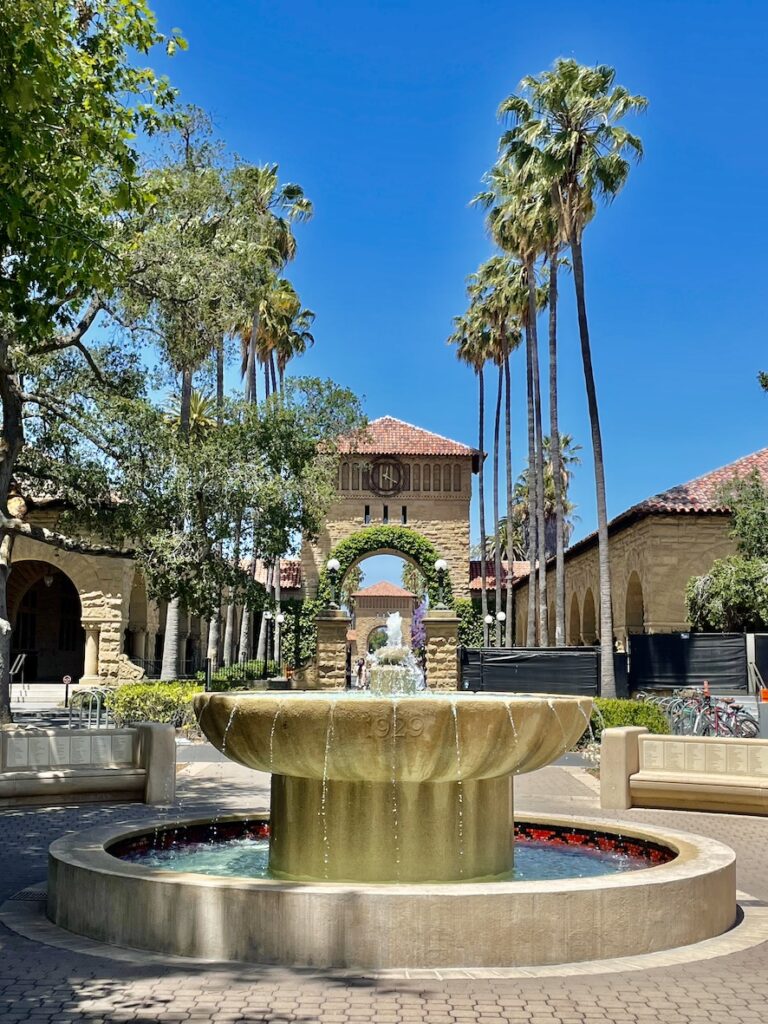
column 408, row 789
column 690, row 898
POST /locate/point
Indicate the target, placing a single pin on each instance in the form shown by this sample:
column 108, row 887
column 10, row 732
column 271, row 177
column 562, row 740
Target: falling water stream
column 324, row 792
column 459, row 787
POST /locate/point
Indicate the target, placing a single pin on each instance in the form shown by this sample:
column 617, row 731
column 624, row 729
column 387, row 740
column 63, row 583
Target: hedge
column 613, row 712
column 154, row 702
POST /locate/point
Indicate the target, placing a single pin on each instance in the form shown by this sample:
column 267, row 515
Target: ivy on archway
column 399, row 540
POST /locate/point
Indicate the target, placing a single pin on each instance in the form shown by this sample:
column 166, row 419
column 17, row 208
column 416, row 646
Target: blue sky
column 385, row 113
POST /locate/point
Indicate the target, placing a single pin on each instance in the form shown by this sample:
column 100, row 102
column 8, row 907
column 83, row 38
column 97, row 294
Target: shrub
column 154, row 702
column 613, row 712
column 470, row 622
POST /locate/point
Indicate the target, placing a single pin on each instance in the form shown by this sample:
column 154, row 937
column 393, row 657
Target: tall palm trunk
column 272, row 374
column 510, row 608
column 278, row 597
column 261, row 647
column 267, row 381
column 530, row 638
column 220, row 382
column 481, row 497
column 169, row 668
column 214, row 638
column 230, row 623
column 245, row 646
column 539, row 447
column 607, row 676
column 554, row 451
column 497, row 546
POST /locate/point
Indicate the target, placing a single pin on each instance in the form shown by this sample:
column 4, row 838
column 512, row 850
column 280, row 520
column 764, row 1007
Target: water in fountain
column 394, row 669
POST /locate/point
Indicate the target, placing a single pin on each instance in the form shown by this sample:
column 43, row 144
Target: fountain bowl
column 392, row 789
column 690, row 898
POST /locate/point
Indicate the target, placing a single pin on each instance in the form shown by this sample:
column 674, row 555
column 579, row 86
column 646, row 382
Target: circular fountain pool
column 682, row 900
column 240, row 849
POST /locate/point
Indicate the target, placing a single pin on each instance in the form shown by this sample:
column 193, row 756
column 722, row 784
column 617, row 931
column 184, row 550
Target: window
column 457, row 477
column 406, row 484
column 426, row 478
column 366, row 478
column 416, row 477
column 367, row 515
column 355, row 476
column 404, row 516
column 385, row 515
column 345, row 476
column 435, row 478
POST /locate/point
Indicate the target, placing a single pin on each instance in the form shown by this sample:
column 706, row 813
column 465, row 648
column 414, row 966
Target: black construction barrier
column 565, row 670
column 672, row 660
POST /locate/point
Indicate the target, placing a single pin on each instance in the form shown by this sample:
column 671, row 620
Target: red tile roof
column 390, row 436
column 698, row 496
column 519, row 569
column 383, row 589
column 703, row 493
column 290, row 573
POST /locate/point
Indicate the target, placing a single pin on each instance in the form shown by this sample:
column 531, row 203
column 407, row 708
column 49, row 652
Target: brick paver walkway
column 44, row 984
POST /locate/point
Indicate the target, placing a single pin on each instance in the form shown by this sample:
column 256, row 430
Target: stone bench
column 712, row 773
column 56, row 766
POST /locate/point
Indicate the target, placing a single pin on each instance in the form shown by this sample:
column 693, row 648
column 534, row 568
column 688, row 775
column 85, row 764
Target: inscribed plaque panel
column 39, row 751
column 758, row 760
column 674, row 756
column 17, row 751
column 716, row 758
column 80, row 750
column 101, row 749
column 695, row 760
column 122, row 749
column 651, row 753
column 59, row 749
column 737, row 760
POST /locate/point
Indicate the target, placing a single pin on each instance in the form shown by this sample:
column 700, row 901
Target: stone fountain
column 391, row 844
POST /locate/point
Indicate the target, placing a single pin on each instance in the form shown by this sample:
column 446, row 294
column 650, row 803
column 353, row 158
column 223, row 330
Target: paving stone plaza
column 48, row 975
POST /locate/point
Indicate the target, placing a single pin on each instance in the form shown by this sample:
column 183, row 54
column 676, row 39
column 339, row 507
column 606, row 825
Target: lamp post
column 267, row 619
column 500, row 619
column 441, row 567
column 279, row 620
column 487, row 623
column 333, row 565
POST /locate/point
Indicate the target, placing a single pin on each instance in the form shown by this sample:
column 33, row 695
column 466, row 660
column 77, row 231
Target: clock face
column 386, row 476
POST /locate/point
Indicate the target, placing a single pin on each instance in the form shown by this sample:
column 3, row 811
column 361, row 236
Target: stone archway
column 441, row 624
column 45, row 612
column 574, row 623
column 401, row 541
column 588, row 619
column 634, row 608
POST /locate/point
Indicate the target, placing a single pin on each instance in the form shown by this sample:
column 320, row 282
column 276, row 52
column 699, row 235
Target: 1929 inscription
column 381, row 726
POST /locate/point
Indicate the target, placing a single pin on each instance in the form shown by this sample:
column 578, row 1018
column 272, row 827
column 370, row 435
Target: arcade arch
column 588, row 619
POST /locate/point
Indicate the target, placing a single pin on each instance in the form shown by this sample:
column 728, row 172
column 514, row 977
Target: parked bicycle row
column 697, row 712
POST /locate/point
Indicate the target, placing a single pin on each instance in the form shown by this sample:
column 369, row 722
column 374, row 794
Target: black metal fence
column 654, row 661
column 672, row 660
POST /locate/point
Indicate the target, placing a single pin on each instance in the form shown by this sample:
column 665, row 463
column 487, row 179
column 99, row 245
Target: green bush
column 470, row 622
column 613, row 712
column 154, row 702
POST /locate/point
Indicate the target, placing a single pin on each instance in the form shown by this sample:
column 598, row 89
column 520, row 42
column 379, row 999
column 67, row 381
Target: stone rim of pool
column 381, row 926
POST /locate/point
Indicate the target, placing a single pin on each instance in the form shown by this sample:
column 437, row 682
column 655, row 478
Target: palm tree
column 495, row 291
column 472, row 338
column 515, row 220
column 201, row 413
column 567, row 122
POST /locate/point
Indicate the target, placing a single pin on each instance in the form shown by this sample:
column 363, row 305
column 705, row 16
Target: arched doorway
column 588, row 620
column 634, row 609
column 400, row 541
column 45, row 614
column 574, row 623
column 376, row 638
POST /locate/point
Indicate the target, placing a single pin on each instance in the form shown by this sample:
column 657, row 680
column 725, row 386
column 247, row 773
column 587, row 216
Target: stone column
column 442, row 629
column 332, row 626
column 149, row 646
column 91, row 666
column 139, row 643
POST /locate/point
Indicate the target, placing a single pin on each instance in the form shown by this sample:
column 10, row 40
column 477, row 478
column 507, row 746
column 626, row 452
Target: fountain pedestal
column 391, row 832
